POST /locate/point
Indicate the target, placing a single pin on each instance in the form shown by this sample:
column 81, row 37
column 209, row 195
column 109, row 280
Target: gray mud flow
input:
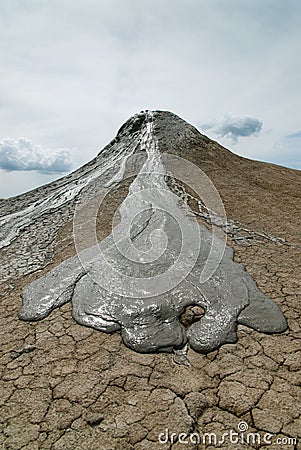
column 140, row 279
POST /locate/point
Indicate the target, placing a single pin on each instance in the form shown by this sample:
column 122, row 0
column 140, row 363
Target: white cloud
column 296, row 135
column 22, row 154
column 235, row 127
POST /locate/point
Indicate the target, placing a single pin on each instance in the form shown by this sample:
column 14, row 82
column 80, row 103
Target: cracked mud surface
column 64, row 386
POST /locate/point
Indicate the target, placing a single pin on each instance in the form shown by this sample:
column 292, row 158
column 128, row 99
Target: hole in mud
column 191, row 314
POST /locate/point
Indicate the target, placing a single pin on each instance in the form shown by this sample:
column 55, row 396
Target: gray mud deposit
column 141, row 278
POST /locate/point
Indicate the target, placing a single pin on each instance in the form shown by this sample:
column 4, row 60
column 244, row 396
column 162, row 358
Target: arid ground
column 68, row 387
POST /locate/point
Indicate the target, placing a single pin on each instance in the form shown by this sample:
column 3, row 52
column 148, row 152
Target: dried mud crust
column 64, row 386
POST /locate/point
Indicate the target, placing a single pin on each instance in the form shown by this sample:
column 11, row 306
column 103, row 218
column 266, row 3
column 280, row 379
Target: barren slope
column 64, row 386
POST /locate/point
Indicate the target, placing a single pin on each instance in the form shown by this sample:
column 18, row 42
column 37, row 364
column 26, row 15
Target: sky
column 73, row 71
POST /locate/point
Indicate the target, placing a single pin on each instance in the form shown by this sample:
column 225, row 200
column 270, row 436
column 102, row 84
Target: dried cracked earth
column 64, row 386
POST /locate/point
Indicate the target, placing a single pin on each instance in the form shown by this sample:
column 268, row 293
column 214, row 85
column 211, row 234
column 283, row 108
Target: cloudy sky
column 72, row 71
